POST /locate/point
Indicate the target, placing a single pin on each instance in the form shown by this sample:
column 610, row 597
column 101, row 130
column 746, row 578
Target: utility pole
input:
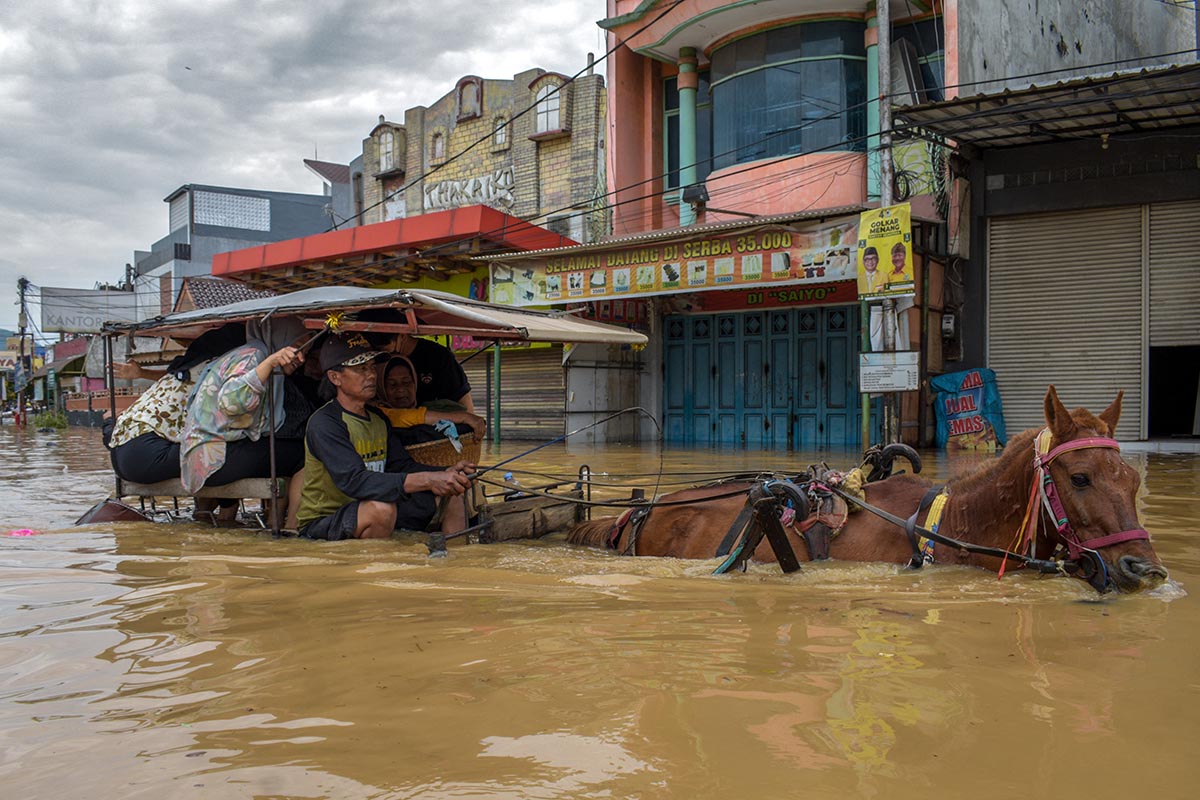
column 883, row 18
column 22, row 320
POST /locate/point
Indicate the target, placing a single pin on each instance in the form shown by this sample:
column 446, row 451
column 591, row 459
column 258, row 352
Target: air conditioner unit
column 908, row 87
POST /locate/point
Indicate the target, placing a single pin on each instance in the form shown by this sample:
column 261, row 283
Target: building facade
column 532, row 147
column 766, row 112
column 206, row 220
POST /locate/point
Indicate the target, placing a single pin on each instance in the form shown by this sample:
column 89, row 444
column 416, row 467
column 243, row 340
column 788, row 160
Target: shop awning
column 413, row 311
column 437, row 245
column 71, row 365
column 1146, row 101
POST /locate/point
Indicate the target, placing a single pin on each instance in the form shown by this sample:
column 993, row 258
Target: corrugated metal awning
column 1148, row 100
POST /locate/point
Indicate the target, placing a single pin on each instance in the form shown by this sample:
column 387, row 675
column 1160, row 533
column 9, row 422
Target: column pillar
column 873, row 161
column 689, row 82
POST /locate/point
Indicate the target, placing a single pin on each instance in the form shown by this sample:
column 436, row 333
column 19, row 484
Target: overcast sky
column 110, row 105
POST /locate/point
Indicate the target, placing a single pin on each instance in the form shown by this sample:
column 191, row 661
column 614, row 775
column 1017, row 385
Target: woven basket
column 441, row 453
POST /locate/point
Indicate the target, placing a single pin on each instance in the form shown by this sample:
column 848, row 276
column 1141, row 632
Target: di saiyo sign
column 771, row 256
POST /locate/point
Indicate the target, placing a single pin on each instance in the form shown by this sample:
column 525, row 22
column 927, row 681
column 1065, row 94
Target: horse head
column 1095, row 512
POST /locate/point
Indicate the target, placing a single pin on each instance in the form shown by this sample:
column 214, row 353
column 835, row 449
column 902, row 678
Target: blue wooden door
column 763, row 379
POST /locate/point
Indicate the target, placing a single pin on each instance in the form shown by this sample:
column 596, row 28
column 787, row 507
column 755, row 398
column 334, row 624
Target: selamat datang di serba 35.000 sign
column 821, row 254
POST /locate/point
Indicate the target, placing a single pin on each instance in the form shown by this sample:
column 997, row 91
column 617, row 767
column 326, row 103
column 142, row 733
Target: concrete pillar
column 873, row 163
column 689, row 82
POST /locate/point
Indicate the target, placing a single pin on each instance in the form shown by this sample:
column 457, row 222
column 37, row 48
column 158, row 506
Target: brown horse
column 1094, row 487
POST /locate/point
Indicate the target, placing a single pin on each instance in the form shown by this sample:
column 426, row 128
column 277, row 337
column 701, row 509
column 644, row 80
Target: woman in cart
column 225, row 429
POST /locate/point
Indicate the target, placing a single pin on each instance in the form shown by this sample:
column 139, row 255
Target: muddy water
column 178, row 661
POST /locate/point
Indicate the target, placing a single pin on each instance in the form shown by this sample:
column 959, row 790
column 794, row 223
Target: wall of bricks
column 532, row 178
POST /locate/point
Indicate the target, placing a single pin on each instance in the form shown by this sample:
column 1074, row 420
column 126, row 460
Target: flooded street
column 167, row 661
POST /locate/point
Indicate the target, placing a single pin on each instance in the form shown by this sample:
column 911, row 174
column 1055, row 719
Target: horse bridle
column 1084, row 552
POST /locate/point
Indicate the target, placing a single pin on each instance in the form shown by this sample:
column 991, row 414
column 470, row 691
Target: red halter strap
column 1054, row 505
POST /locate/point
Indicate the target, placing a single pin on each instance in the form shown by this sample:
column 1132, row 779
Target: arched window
column 387, row 151
column 548, row 101
column 500, row 132
column 438, row 147
column 468, row 100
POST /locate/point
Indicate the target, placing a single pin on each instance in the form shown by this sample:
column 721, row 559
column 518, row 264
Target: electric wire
column 508, row 123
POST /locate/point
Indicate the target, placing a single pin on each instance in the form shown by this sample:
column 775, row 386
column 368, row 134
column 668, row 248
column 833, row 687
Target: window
column 671, row 130
column 437, row 148
column 468, row 100
column 796, row 89
column 548, row 101
column 387, row 151
column 500, row 132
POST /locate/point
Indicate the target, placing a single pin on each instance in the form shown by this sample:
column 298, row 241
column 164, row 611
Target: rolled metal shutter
column 1065, row 307
column 532, row 391
column 1174, row 274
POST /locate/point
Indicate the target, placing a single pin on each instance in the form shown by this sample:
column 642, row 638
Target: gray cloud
column 111, row 104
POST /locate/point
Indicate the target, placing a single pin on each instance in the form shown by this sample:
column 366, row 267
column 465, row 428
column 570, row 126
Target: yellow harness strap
column 931, row 523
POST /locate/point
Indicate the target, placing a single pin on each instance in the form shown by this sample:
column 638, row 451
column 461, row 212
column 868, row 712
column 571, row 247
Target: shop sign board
column 764, row 297
column 762, row 259
column 897, row 371
column 85, row 310
column 885, row 257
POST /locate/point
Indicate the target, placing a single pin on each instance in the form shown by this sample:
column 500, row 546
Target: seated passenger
column 439, row 375
column 358, row 482
column 144, row 439
column 228, row 406
column 399, row 401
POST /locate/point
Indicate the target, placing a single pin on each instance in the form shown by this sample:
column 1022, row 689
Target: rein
column 1041, row 565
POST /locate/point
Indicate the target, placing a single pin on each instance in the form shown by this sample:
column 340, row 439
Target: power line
column 575, row 207
column 508, row 123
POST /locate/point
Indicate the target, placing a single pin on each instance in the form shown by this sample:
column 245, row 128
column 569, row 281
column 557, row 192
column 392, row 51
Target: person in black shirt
column 358, row 481
column 439, row 375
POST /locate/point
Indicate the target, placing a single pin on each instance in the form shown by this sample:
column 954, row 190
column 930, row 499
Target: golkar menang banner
column 822, row 254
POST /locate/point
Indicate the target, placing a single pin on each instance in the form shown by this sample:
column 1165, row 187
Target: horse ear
column 1112, row 414
column 1057, row 417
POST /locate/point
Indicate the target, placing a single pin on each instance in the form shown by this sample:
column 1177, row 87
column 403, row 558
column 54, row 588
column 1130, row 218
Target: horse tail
column 593, row 533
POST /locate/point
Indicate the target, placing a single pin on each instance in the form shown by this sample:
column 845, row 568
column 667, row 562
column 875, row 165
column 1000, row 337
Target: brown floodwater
column 175, row 660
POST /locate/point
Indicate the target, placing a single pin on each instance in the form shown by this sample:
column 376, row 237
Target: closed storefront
column 532, row 391
column 778, row 378
column 1097, row 301
column 1173, row 402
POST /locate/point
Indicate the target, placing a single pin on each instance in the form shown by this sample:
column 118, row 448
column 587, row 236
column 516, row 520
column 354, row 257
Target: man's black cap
column 347, row 350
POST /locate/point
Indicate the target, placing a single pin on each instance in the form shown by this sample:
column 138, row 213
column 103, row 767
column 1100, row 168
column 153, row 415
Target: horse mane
column 985, row 473
column 593, row 533
column 1020, row 446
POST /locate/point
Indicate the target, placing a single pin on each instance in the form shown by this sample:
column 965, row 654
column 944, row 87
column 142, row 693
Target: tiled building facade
column 545, row 165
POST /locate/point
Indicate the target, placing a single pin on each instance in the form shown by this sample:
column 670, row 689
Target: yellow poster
column 885, row 257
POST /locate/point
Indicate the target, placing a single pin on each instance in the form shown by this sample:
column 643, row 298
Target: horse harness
column 1082, row 555
column 1044, row 490
column 635, row 518
column 774, row 505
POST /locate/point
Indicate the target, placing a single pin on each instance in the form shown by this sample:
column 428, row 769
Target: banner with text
column 734, row 261
column 969, row 414
column 85, row 310
column 885, row 257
